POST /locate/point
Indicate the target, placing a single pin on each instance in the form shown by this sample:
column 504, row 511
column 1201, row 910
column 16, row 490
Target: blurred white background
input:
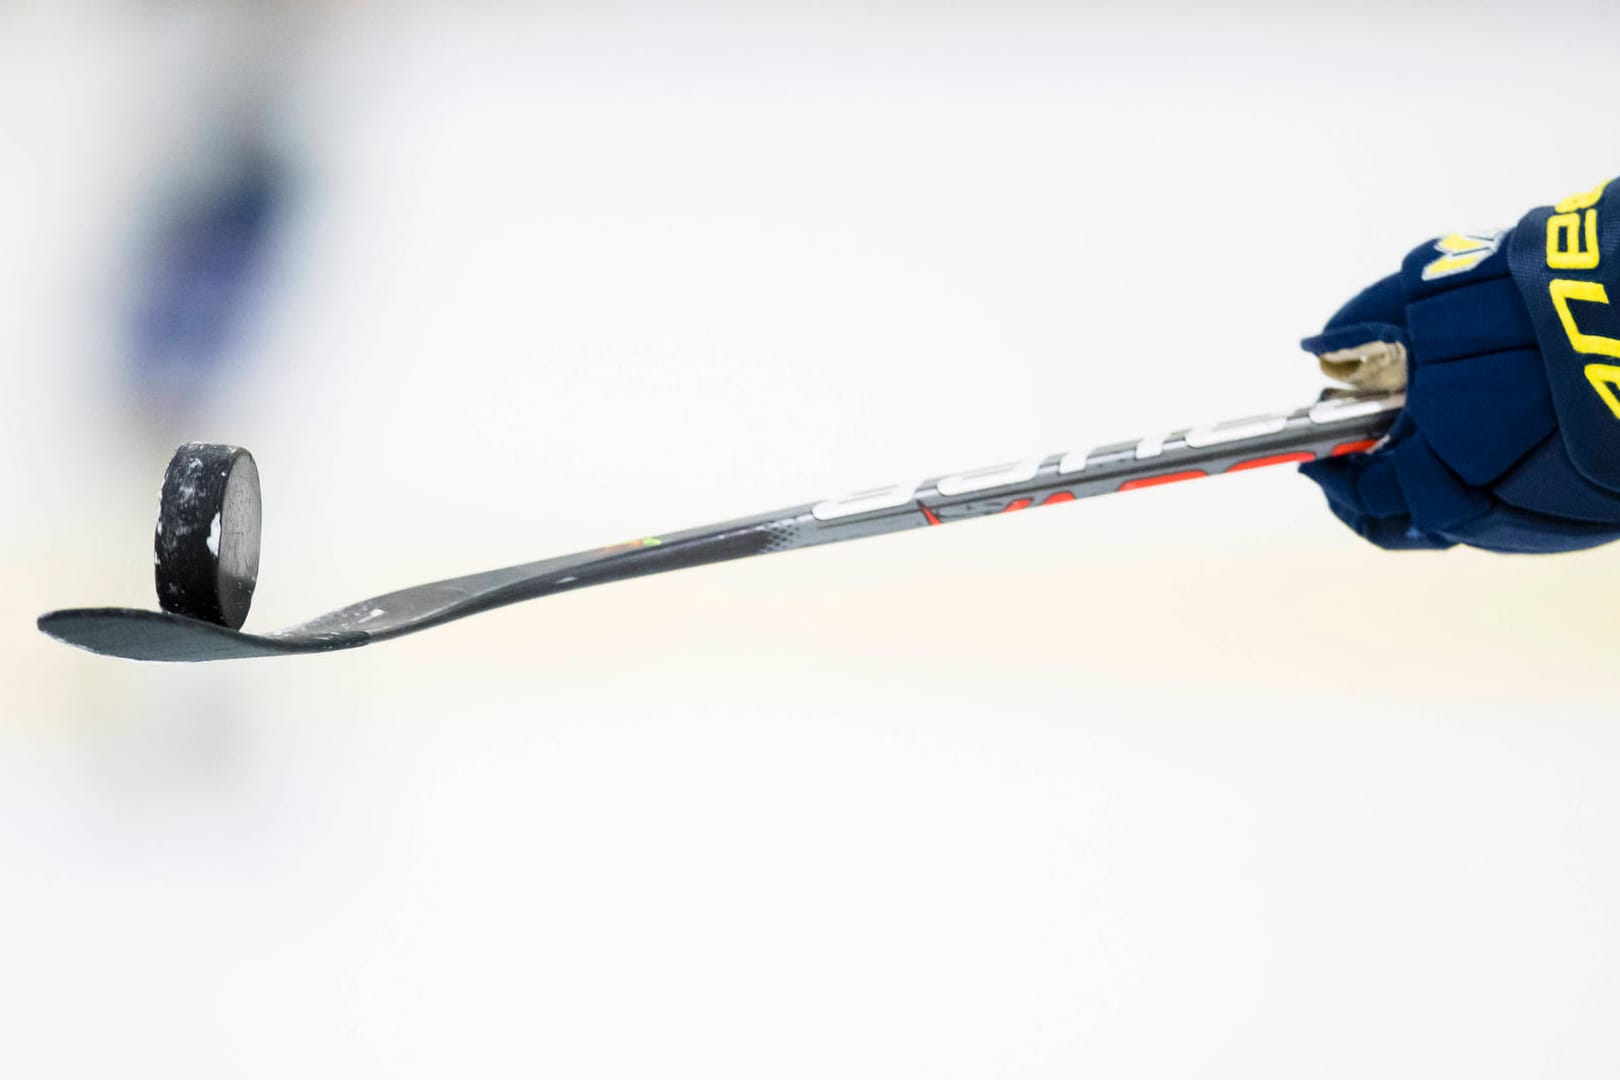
column 1190, row 783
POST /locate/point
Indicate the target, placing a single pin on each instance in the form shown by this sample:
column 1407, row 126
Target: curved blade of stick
column 159, row 635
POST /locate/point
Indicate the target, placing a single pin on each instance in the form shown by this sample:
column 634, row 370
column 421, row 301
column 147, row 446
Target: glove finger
column 1483, row 414
column 1394, row 533
column 1364, row 483
column 1439, row 499
column 1484, row 315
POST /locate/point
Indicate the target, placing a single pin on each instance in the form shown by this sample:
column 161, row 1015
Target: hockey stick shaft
column 1329, row 428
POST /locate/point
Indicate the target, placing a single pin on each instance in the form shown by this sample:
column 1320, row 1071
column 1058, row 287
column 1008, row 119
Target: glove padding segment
column 1505, row 442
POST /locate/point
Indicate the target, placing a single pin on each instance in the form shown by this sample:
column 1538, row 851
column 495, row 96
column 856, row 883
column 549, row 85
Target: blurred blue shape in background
column 199, row 278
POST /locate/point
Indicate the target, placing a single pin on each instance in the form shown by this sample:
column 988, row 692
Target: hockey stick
column 1334, row 425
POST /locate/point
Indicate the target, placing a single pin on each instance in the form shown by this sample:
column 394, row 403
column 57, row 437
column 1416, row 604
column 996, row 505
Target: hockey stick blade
column 1335, row 425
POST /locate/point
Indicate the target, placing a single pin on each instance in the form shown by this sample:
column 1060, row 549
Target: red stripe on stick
column 1275, row 459
column 1167, row 478
column 1016, row 504
column 1354, row 447
column 1057, row 497
column 929, row 514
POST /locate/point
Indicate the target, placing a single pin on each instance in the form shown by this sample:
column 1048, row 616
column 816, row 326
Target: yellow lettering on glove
column 1572, row 244
column 1461, row 252
column 1566, row 248
column 1605, row 379
column 1563, row 291
column 1584, row 201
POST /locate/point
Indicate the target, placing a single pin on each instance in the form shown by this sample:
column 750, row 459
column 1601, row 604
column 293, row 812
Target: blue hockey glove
column 1510, row 350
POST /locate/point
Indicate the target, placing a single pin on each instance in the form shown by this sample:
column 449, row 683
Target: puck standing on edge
column 207, row 541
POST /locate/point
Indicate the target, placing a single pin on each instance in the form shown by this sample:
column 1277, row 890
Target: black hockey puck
column 207, row 542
